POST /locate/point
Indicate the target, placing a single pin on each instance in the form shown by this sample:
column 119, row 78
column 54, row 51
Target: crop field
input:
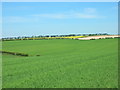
column 61, row 63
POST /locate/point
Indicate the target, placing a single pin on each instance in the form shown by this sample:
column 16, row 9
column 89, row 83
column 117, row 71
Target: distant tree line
column 46, row 36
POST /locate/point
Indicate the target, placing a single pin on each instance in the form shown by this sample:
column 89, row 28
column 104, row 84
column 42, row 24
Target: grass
column 62, row 64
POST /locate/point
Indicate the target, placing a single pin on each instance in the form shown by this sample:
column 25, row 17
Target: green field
column 63, row 63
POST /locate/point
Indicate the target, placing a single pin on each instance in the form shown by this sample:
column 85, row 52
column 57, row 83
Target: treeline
column 49, row 37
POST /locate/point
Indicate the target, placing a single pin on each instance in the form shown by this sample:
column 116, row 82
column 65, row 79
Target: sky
column 52, row 18
column 60, row 0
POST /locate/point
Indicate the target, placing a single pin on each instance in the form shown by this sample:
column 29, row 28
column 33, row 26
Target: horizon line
column 57, row 34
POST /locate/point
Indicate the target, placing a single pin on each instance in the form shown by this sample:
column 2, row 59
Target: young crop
column 61, row 63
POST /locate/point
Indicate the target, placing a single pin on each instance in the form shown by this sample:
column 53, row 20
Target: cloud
column 67, row 16
column 85, row 16
column 90, row 10
column 115, row 7
column 18, row 19
column 55, row 16
column 14, row 19
column 88, row 13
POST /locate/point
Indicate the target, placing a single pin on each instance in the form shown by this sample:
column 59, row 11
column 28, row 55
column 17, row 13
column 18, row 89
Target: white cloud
column 85, row 16
column 18, row 19
column 90, row 10
column 14, row 19
column 68, row 15
column 88, row 13
column 55, row 16
column 115, row 7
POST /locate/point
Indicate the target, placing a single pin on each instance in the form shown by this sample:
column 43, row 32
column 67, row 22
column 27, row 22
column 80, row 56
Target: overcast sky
column 49, row 18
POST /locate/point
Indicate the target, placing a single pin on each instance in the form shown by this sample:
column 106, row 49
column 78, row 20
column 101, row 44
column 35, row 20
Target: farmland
column 61, row 63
